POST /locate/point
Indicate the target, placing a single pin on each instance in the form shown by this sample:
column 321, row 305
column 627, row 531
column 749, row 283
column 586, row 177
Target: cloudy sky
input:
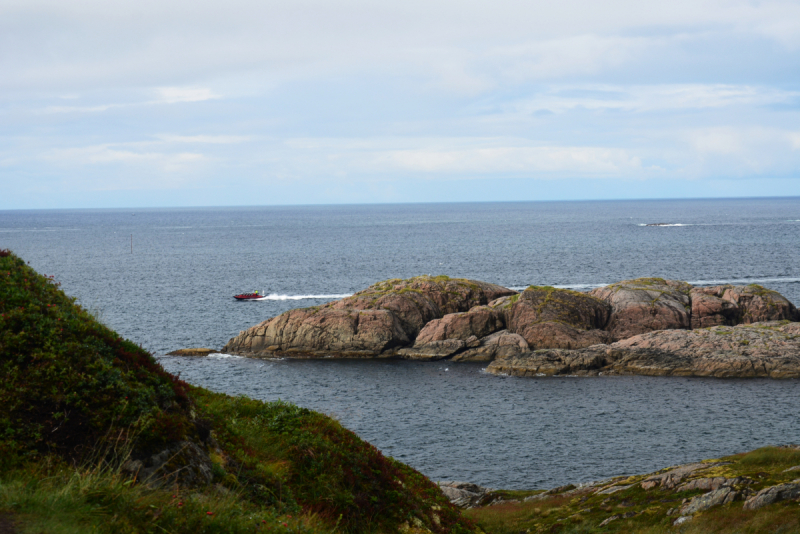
column 195, row 103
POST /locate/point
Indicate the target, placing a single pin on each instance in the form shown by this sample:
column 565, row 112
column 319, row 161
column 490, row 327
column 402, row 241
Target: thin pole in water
column 131, row 243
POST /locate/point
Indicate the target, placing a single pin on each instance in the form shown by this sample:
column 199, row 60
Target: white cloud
column 463, row 156
column 111, row 154
column 204, row 139
column 659, row 97
column 93, row 43
column 742, row 151
column 794, row 137
column 164, row 95
column 586, row 161
column 579, row 54
column 738, row 140
column 172, row 95
column 326, row 91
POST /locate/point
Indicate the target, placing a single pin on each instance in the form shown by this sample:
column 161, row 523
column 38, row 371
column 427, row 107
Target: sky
column 157, row 103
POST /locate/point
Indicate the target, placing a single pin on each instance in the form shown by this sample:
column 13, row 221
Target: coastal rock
column 320, row 331
column 760, row 350
column 502, row 344
column 732, row 305
column 376, row 322
column 758, row 304
column 192, row 352
column 781, row 492
column 418, row 300
column 432, row 318
column 435, row 350
column 558, row 318
column 478, row 322
column 549, row 362
column 465, row 494
column 705, row 484
column 646, row 304
column 710, row 309
column 673, row 477
column 442, row 338
column 713, row 498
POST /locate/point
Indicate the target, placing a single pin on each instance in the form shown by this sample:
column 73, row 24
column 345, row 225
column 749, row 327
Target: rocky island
column 647, row 326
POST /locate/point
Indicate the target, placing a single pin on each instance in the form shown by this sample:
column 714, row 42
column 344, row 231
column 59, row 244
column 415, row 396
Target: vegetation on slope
column 81, row 405
column 68, row 380
column 632, row 509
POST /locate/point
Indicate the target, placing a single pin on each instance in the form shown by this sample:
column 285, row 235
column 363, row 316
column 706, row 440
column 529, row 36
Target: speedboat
column 249, row 296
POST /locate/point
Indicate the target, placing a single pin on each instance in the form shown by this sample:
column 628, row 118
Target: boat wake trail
column 274, row 296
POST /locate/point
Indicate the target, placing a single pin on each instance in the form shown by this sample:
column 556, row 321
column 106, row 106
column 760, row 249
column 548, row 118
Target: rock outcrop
column 320, row 331
column 645, row 305
column 707, row 493
column 193, row 352
column 758, row 304
column 502, row 344
column 465, row 494
column 558, row 318
column 372, row 323
column 710, row 309
column 732, row 305
column 453, row 333
column 418, row 300
column 478, row 322
column 781, row 492
column 645, row 326
column 769, row 349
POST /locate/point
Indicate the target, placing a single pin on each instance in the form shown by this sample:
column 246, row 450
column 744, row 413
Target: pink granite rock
column 558, row 318
column 646, row 304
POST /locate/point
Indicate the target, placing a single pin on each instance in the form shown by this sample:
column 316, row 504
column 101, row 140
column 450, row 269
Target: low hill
column 95, row 436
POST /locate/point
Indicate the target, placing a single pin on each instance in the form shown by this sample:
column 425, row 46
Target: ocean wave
column 732, row 281
column 561, row 286
column 46, row 229
column 745, row 281
column 222, row 356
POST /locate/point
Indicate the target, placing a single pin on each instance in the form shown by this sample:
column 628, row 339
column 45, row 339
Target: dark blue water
column 448, row 420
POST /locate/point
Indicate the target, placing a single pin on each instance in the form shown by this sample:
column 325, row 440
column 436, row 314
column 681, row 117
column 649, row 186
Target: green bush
column 68, row 379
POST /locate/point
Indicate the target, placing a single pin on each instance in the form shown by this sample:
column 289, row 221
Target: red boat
column 249, row 296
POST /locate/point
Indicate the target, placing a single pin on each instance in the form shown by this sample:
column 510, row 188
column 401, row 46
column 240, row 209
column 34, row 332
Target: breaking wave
column 732, row 281
column 665, row 224
column 222, row 356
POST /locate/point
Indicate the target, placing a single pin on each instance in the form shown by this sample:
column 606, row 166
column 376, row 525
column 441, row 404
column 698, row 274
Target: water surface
column 451, row 421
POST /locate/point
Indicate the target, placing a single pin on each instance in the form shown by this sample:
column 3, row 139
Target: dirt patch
column 7, row 524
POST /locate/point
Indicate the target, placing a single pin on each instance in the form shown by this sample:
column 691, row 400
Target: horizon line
column 230, row 206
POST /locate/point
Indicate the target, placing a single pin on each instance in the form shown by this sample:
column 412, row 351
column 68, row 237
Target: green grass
column 584, row 512
column 298, row 459
column 54, row 498
column 75, row 393
column 67, row 379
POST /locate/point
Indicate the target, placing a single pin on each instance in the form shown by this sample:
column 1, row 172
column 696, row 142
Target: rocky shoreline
column 672, row 496
column 647, row 326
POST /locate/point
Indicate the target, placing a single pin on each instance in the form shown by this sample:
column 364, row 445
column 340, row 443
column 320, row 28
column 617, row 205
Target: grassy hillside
column 85, row 414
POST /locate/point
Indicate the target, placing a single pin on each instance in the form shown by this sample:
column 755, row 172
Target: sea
column 165, row 278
